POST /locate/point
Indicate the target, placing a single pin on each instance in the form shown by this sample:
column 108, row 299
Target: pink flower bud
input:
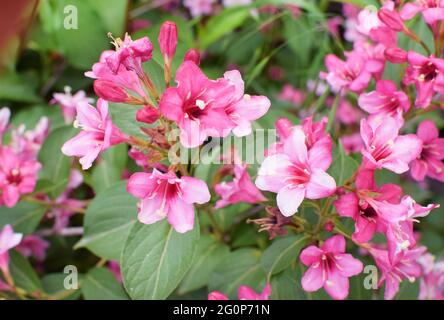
column 168, row 39
column 192, row 55
column 329, row 226
column 395, row 55
column 110, row 91
column 392, row 19
column 148, row 114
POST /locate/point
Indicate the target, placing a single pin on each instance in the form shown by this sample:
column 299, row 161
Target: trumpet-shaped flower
column 98, row 133
column 164, row 195
column 297, row 173
column 329, row 267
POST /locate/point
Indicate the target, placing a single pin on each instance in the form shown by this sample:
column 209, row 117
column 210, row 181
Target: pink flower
column 347, row 114
column 98, row 134
column 114, row 267
column 243, row 108
column 352, row 143
column 69, row 103
column 385, row 148
column 130, row 54
column 241, row 189
column 192, row 55
column 369, row 206
column 407, row 267
column 429, row 162
column 232, row 3
column 33, row 246
column 164, row 195
column 427, row 73
column 432, row 10
column 199, row 7
column 297, row 173
column 350, row 74
column 8, row 240
column 17, row 176
column 385, row 100
column 128, row 81
column 292, row 95
column 27, row 143
column 432, row 281
column 5, row 114
column 243, row 293
column 329, row 267
column 168, row 40
column 198, row 105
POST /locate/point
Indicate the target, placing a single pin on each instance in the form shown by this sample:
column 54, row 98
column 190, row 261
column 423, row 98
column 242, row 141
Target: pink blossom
column 8, row 240
column 352, row 143
column 192, row 55
column 233, row 3
column 198, row 105
column 369, row 206
column 243, row 293
column 427, row 73
column 128, row 81
column 5, row 114
column 350, row 74
column 385, row 100
column 27, row 143
column 385, row 148
column 292, row 95
column 98, row 134
column 34, row 246
column 347, row 114
column 241, row 189
column 199, row 7
column 407, row 267
column 168, row 40
column 298, row 172
column 372, row 54
column 432, row 280
column 164, row 195
column 243, row 108
column 429, row 162
column 329, row 267
column 432, row 10
column 69, row 102
column 114, row 267
column 333, row 25
column 17, row 176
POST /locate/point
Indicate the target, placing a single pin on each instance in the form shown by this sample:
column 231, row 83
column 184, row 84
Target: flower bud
column 192, row 55
column 392, row 19
column 110, row 91
column 168, row 40
column 148, row 114
column 395, row 55
column 283, row 127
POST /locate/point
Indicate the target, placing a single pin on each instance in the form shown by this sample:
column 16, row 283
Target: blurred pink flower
column 243, row 293
column 164, row 195
column 34, row 246
column 8, row 240
column 199, row 7
column 329, row 267
column 432, row 10
column 69, row 102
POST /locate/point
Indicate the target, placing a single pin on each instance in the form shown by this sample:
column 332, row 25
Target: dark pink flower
column 17, row 176
column 297, row 173
column 33, row 246
column 98, row 134
column 243, row 293
column 168, row 40
column 385, row 148
column 164, row 195
column 432, row 10
column 329, row 267
column 429, row 162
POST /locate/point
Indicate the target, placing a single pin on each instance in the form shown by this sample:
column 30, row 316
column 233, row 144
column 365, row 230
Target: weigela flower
column 33, row 246
column 98, row 134
column 273, row 223
column 427, row 73
column 329, row 267
column 297, row 173
column 432, row 280
column 164, row 195
column 385, row 100
column 292, row 95
column 27, row 143
column 385, row 148
column 199, row 7
column 241, row 189
column 243, row 293
column 429, row 162
column 8, row 240
column 5, row 114
column 432, row 10
column 17, row 176
column 69, row 102
column 407, row 267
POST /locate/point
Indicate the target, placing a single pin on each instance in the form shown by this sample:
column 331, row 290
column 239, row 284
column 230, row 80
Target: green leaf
column 281, row 253
column 53, row 285
column 241, row 267
column 14, row 88
column 287, row 285
column 23, row 274
column 108, row 220
column 24, row 217
column 109, row 169
column 222, row 24
column 156, row 258
column 100, row 284
column 123, row 116
column 113, row 16
column 343, row 166
column 56, row 166
column 208, row 256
